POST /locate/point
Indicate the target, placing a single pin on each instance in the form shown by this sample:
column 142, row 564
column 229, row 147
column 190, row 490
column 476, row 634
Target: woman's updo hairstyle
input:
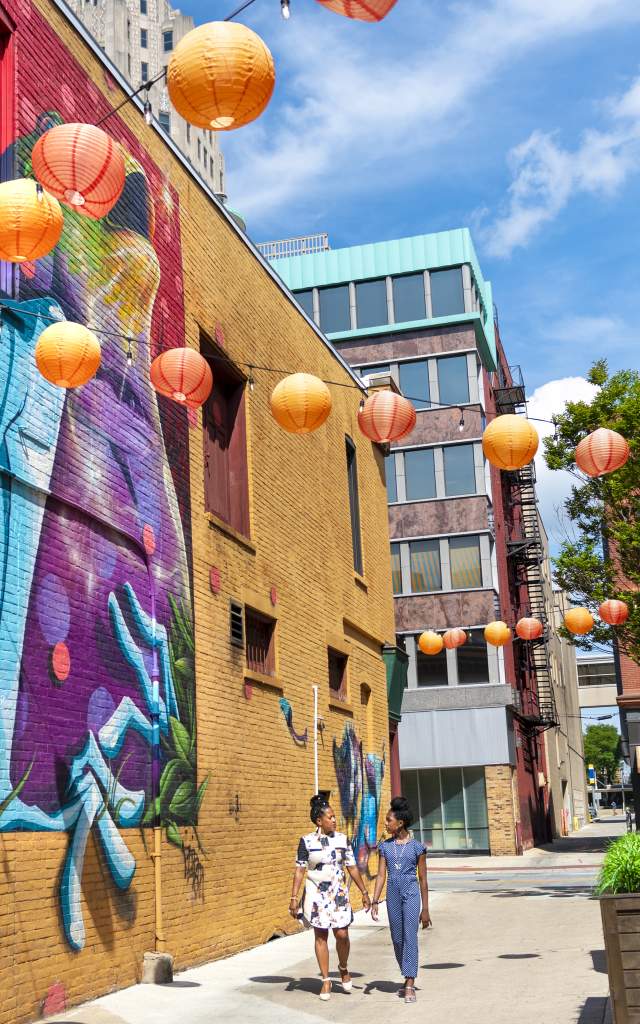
column 319, row 804
column 401, row 810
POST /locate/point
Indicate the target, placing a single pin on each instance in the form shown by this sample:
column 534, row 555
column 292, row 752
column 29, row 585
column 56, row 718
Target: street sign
column 591, row 774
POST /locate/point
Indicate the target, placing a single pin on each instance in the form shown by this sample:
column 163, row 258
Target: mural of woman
column 100, row 569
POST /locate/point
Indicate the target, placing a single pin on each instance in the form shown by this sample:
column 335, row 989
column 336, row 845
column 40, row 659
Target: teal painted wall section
column 401, row 256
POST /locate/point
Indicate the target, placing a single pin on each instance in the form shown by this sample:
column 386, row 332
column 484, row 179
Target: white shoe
column 325, row 995
column 346, row 985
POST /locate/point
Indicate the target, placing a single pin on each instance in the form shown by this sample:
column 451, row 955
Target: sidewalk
column 490, row 957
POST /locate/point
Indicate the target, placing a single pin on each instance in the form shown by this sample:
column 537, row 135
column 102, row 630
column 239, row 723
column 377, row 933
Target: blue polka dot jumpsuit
column 403, row 900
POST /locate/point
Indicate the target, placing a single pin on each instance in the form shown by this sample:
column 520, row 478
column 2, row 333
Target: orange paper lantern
column 80, row 165
column 454, row 638
column 361, row 10
column 497, row 633
column 386, row 416
column 221, row 75
column 67, row 354
column 510, row 442
column 31, row 221
column 614, row 612
column 579, row 621
column 601, row 452
column 301, row 403
column 430, row 642
column 529, row 629
column 183, row 375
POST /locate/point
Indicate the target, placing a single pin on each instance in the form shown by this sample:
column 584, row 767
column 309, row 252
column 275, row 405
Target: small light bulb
column 129, row 356
column 251, row 382
column 39, row 191
column 361, row 404
column 461, row 423
column 148, row 113
column 285, row 9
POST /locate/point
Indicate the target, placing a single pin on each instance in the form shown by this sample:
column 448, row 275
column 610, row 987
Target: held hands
column 293, row 907
column 425, row 918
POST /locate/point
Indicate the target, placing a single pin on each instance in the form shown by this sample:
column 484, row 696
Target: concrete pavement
column 521, row 948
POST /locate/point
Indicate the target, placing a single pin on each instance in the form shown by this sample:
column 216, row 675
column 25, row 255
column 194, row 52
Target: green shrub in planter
column 621, row 867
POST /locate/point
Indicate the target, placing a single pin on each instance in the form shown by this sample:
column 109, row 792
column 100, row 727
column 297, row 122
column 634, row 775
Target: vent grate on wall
column 236, row 622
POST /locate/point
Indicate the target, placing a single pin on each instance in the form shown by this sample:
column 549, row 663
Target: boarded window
column 226, row 481
column 338, row 674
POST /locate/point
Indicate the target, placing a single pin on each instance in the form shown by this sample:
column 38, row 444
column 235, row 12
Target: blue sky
column 518, row 118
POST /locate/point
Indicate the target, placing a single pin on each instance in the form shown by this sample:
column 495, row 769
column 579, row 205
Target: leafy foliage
column 621, row 866
column 602, row 750
column 179, row 799
column 602, row 560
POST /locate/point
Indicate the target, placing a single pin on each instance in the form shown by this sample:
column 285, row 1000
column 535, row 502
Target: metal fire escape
column 526, row 553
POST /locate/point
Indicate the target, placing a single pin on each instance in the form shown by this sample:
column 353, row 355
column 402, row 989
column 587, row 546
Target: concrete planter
column 621, row 927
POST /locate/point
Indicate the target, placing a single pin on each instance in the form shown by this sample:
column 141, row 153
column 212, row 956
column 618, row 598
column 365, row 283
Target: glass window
column 473, row 660
column 366, row 371
column 259, row 642
column 164, row 118
column 419, row 474
column 371, row 303
column 337, row 674
column 408, row 298
column 226, row 479
column 144, row 71
column 143, row 6
column 455, row 835
column 430, row 808
column 143, row 38
column 459, row 469
column 447, row 296
column 199, row 149
column 205, row 156
column 475, row 798
column 305, row 299
column 453, row 381
column 334, row 309
column 167, row 41
column 390, row 473
column 354, row 505
column 425, row 566
column 396, row 571
column 464, row 556
column 431, row 668
column 188, row 133
column 414, row 383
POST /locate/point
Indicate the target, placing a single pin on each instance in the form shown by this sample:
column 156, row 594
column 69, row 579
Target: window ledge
column 219, row 524
column 267, row 682
column 344, row 706
column 361, row 581
column 444, row 497
column 439, row 593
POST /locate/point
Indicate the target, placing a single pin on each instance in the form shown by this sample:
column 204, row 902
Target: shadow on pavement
column 599, row 958
column 440, row 967
column 390, row 987
column 583, row 844
column 519, row 956
column 594, row 1010
column 557, row 891
column 182, row 984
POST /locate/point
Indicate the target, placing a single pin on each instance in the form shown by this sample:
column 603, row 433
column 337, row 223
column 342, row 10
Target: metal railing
column 303, row 245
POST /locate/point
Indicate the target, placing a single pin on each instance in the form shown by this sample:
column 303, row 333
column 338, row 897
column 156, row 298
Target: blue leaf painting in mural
column 359, row 779
column 287, row 711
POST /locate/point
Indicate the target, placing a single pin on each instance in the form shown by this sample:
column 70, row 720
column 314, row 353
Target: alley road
column 512, row 938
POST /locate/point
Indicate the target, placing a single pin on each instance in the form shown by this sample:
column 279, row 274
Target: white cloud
column 358, row 105
column 546, row 176
column 554, row 486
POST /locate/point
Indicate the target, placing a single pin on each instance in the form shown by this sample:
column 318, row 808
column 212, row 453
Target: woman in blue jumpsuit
column 401, row 856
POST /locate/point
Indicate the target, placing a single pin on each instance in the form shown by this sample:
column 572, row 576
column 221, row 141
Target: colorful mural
column 359, row 778
column 287, row 711
column 97, row 677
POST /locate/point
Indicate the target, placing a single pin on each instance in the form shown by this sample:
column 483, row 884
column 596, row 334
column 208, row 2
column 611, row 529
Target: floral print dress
column 325, row 903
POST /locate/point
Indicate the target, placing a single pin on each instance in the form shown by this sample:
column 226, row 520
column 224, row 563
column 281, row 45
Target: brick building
column 173, row 585
column 465, row 539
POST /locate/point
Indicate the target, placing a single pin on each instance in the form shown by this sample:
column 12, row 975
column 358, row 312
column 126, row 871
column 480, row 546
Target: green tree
column 602, row 750
column 605, row 511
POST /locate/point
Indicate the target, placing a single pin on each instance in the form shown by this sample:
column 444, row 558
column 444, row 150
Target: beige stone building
column 139, row 36
column 564, row 747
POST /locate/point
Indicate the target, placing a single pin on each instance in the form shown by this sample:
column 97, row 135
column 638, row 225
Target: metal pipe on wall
column 315, row 738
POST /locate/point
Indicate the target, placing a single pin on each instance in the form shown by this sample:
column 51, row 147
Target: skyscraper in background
column 139, row 36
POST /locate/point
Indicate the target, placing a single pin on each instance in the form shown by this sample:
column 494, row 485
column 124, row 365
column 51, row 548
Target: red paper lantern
column 454, row 638
column 183, row 375
column 386, row 416
column 601, row 452
column 529, row 629
column 82, row 166
column 361, row 10
column 614, row 612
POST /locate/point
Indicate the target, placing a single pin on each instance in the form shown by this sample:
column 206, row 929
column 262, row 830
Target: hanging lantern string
column 253, row 366
column 146, row 86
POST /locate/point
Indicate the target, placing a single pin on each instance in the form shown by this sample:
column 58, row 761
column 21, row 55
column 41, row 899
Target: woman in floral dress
column 325, row 855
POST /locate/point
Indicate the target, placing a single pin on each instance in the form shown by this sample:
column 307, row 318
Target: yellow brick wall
column 233, row 891
column 500, row 782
